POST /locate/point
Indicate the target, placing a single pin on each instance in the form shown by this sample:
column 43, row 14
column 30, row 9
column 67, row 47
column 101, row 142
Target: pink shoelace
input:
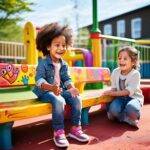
column 77, row 130
column 59, row 133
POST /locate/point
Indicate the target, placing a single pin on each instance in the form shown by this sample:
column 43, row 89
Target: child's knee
column 132, row 112
column 59, row 103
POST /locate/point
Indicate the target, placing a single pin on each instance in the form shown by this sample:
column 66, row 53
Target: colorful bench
column 17, row 101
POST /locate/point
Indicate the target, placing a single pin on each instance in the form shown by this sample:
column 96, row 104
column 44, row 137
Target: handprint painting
column 16, row 75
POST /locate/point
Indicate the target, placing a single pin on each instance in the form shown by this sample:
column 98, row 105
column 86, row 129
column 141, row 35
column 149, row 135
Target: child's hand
column 74, row 91
column 56, row 89
column 106, row 93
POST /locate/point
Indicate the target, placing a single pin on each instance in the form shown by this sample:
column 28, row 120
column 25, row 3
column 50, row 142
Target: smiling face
column 125, row 62
column 57, row 48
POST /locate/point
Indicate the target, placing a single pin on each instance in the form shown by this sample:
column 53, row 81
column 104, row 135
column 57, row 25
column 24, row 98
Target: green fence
column 110, row 46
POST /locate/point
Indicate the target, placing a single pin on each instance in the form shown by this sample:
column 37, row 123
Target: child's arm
column 117, row 93
column 42, row 83
column 132, row 85
column 113, row 84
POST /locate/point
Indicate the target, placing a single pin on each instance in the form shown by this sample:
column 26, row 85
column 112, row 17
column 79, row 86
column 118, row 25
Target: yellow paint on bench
column 94, row 97
column 18, row 110
column 23, row 110
column 18, row 102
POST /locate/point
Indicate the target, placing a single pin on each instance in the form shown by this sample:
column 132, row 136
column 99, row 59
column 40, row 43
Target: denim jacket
column 45, row 73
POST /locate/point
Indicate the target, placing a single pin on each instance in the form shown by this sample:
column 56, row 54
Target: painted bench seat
column 17, row 101
column 28, row 108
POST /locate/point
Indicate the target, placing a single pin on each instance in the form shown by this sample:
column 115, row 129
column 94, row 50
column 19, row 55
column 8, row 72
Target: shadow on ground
column 104, row 134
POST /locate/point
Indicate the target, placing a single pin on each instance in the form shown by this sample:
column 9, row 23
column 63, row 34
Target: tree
column 10, row 15
column 11, row 32
column 82, row 38
column 9, row 10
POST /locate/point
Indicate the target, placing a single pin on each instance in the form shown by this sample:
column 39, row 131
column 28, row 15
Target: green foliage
column 82, row 38
column 11, row 32
column 10, row 10
column 83, row 32
column 10, row 15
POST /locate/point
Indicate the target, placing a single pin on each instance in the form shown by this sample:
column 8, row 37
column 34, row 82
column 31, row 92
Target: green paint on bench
column 18, row 102
column 17, row 96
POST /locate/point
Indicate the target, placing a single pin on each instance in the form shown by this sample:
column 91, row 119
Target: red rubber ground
column 104, row 134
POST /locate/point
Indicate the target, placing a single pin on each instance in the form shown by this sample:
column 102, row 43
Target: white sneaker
column 132, row 122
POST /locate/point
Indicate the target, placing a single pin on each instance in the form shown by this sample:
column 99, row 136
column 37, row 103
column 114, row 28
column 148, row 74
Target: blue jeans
column 58, row 103
column 123, row 107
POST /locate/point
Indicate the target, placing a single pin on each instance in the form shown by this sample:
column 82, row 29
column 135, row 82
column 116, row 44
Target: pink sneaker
column 77, row 133
column 60, row 138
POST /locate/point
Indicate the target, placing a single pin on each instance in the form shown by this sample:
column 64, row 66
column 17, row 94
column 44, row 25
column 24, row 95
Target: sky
column 47, row 11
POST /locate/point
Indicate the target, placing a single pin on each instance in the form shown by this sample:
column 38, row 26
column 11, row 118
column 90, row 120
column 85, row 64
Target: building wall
column 143, row 13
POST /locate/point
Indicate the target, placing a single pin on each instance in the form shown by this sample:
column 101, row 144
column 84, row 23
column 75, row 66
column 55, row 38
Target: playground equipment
column 71, row 55
column 110, row 46
column 19, row 102
column 79, row 54
column 96, row 38
column 143, row 42
column 29, row 41
column 12, row 52
column 110, row 52
column 16, row 82
column 144, row 47
column 17, row 105
column 16, row 52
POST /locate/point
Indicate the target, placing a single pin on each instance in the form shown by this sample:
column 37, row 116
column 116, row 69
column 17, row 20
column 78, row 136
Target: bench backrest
column 12, row 75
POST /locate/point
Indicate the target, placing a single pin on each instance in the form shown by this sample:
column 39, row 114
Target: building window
column 136, row 28
column 108, row 29
column 121, row 28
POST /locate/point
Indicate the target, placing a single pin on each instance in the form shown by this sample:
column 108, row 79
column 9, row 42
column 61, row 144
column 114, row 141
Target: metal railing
column 12, row 52
column 110, row 47
column 16, row 52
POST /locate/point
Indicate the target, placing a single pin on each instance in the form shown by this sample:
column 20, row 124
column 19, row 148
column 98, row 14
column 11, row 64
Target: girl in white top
column 125, row 87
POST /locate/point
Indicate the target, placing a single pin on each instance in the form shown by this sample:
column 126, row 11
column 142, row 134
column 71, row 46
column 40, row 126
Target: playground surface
column 104, row 134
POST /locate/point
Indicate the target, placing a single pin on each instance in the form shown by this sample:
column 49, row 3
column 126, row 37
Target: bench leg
column 5, row 136
column 85, row 116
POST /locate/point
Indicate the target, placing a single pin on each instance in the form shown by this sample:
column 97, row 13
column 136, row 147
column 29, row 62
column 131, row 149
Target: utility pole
column 76, row 13
column 75, row 7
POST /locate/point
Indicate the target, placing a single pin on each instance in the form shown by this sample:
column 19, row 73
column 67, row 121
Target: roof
column 124, row 6
column 109, row 9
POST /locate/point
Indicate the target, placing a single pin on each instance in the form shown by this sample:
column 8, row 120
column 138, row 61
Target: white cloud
column 47, row 15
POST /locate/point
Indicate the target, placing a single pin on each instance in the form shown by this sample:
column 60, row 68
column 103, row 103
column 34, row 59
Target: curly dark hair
column 50, row 31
